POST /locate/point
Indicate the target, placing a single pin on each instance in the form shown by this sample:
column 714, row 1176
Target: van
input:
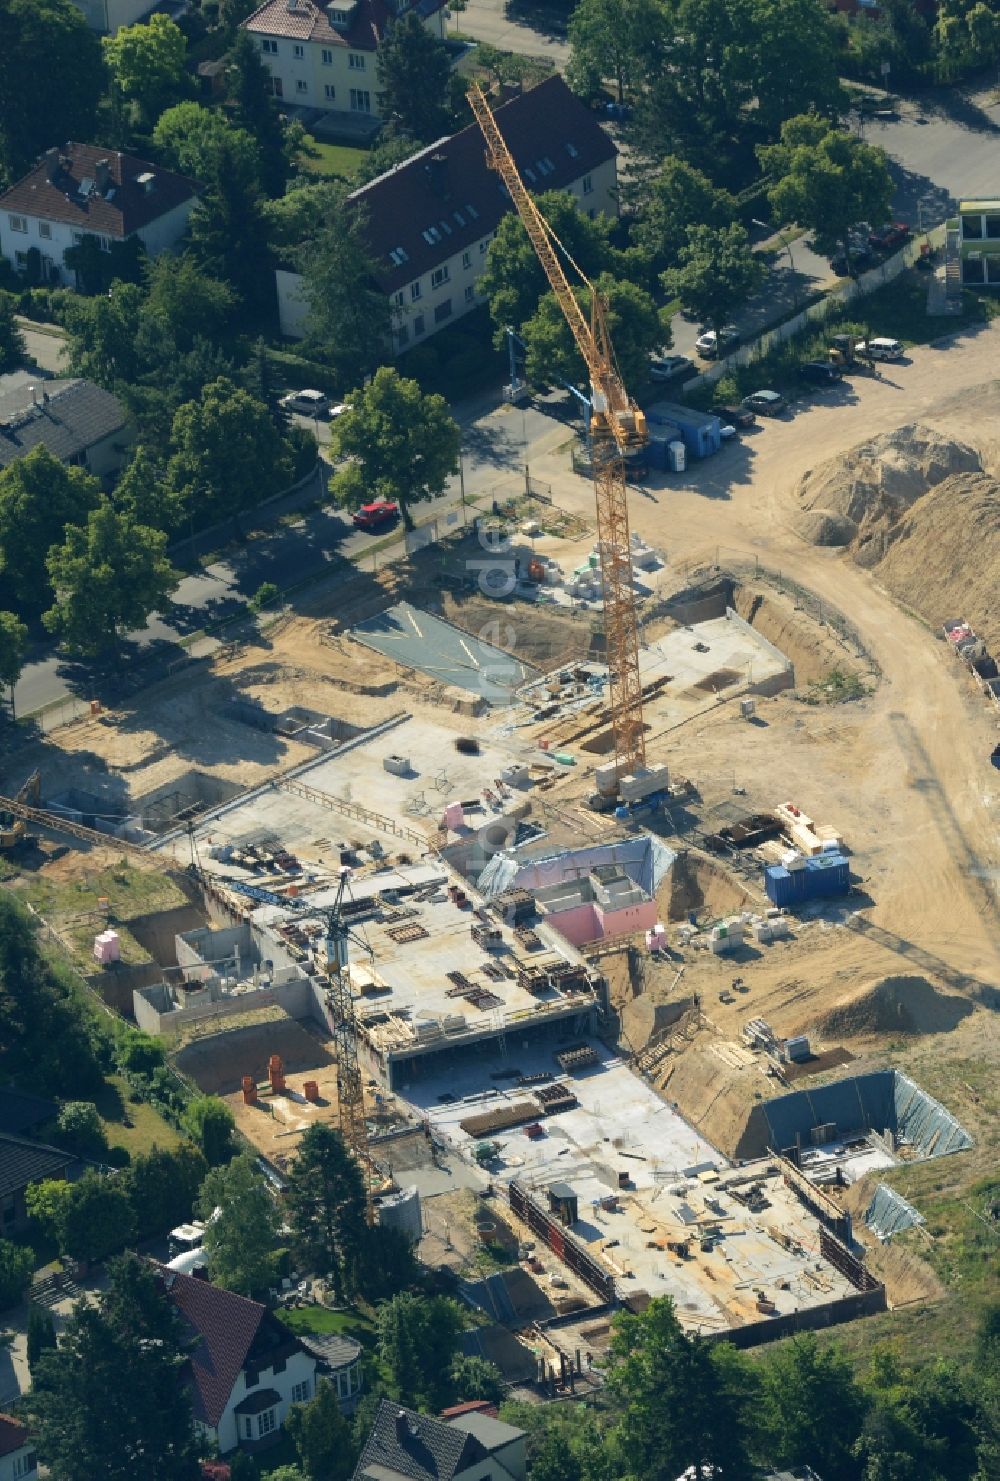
column 881, row 349
column 307, row 403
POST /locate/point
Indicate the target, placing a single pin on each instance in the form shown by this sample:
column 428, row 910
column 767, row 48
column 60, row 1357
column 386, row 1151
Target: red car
column 893, row 235
column 373, row 516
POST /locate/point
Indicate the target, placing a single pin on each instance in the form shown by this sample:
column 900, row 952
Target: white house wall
column 109, row 15
column 299, row 1369
column 161, row 235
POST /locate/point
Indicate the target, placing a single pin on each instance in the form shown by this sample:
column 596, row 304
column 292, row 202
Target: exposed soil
column 895, row 1005
column 697, row 886
column 814, row 648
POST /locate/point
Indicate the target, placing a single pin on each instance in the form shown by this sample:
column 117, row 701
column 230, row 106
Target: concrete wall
column 774, row 683
column 809, row 1319
column 295, row 997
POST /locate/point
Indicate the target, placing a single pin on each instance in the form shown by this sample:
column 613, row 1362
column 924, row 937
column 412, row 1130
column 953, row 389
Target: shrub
column 16, row 1264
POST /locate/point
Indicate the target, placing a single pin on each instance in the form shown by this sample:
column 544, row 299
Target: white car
column 339, row 409
column 879, row 349
column 668, row 367
column 709, row 345
column 307, row 403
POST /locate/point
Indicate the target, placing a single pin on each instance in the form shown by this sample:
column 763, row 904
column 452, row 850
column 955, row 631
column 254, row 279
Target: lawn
column 320, row 1321
column 73, row 906
column 134, row 1125
column 320, row 158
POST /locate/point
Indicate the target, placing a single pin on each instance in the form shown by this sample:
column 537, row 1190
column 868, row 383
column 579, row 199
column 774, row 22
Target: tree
column 96, row 268
column 811, row 1409
column 242, row 1234
column 108, row 576
column 102, row 333
column 46, row 1203
column 390, row 150
column 680, row 196
column 634, row 323
column 146, row 63
column 826, row 179
column 257, row 113
column 680, row 1404
column 325, row 1199
column 41, row 1333
column 413, row 72
column 230, row 210
column 193, row 139
column 13, row 646
column 228, row 454
column 88, row 1421
column 16, row 1264
column 80, row 1128
column 51, row 79
column 142, row 495
column 418, row 1342
column 163, row 1187
column 717, row 273
column 404, row 445
column 385, row 1263
column 97, row 1219
column 210, row 1124
column 613, row 39
column 514, row 279
column 502, row 68
column 348, row 325
column 322, row 1436
column 12, row 346
column 243, row 1467
column 39, row 497
column 475, row 1378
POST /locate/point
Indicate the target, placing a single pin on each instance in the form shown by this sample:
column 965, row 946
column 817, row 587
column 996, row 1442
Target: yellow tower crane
column 617, row 424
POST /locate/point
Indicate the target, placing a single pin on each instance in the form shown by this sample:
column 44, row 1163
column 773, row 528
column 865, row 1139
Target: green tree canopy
column 228, row 454
column 146, row 63
column 717, row 273
column 163, row 1187
column 39, row 497
column 16, row 1264
column 256, row 112
column 614, row 40
column 142, row 495
column 826, row 179
column 413, row 71
column 322, row 1436
column 418, row 1342
column 475, row 1378
column 402, row 444
column 96, row 1219
column 192, row 139
column 326, row 1206
column 680, row 1402
column 88, row 1420
column 108, row 576
column 635, row 325
column 12, row 346
column 230, row 210
column 811, row 1408
column 13, row 647
column 80, row 1128
column 102, row 334
column 41, row 1333
column 241, row 1239
column 680, row 196
column 210, row 1124
column 51, row 79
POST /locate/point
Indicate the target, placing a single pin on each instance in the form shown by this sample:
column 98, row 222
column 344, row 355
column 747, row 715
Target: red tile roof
column 303, row 20
column 447, row 190
column 226, row 1325
column 71, row 195
column 13, row 1434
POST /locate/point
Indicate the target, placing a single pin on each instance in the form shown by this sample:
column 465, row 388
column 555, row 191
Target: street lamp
column 781, row 238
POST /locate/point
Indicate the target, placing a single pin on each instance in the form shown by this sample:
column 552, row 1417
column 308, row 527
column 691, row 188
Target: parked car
column 739, row 417
column 766, row 403
column 880, row 349
column 307, row 403
column 821, row 372
column 668, row 367
column 710, row 345
column 887, row 237
column 862, row 258
column 374, row 516
column 339, row 409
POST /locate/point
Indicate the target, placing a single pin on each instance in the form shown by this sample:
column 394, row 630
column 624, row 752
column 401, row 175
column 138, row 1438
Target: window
column 473, row 213
column 45, row 230
column 268, row 47
column 25, row 1464
column 530, row 175
column 572, row 150
column 484, row 246
column 361, row 100
column 397, row 299
column 300, row 1391
column 466, row 259
column 355, row 61
column 247, row 1427
column 972, row 226
column 418, row 325
column 470, row 293
column 298, row 49
column 442, row 312
column 301, row 86
column 431, row 236
column 329, row 92
column 266, row 1422
column 415, row 291
column 458, row 218
column 993, row 227
column 439, row 275
column 20, row 260
column 973, row 270
column 18, row 223
column 588, row 184
column 327, row 57
column 9, row 1210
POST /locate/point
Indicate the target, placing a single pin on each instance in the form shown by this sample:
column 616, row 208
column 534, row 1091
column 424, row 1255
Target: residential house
column 430, row 220
column 78, row 422
column 245, row 1368
column 83, row 190
column 472, row 1446
column 323, row 56
column 338, row 1359
column 979, row 242
column 107, row 16
column 20, row 1112
column 17, row 1452
column 23, row 1162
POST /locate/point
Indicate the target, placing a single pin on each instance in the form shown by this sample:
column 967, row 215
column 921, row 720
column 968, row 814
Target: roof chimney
column 102, row 176
column 402, row 1428
column 146, row 181
column 51, row 163
column 436, row 169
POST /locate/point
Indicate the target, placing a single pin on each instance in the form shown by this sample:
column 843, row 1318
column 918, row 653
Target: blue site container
column 824, row 876
column 698, row 430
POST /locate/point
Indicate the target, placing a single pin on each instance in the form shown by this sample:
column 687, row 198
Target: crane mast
column 617, row 424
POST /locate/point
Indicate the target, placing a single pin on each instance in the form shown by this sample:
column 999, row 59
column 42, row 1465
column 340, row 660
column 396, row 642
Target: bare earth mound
column 895, row 1005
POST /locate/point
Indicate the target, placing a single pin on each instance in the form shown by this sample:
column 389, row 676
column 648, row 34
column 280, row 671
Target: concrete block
column 653, row 779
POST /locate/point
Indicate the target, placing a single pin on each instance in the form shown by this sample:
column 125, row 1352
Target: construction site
column 638, row 911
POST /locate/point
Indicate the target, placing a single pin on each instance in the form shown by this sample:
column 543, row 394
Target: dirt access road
column 926, row 765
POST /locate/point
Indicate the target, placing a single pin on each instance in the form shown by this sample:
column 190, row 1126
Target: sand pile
column 894, row 1005
column 858, row 498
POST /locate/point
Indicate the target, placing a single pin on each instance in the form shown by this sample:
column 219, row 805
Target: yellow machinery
column 13, row 825
column 617, row 424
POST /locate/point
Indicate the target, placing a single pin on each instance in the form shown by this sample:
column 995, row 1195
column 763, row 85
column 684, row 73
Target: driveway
column 488, row 20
